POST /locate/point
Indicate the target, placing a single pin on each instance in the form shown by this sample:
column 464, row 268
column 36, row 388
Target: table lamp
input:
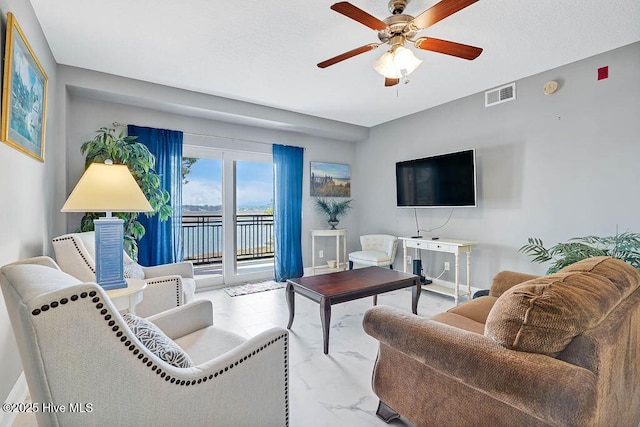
column 108, row 187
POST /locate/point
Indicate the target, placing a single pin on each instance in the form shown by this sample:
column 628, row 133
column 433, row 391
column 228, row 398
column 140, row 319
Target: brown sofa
column 560, row 350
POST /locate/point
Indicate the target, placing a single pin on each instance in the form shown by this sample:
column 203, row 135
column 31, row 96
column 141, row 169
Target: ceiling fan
column 398, row 62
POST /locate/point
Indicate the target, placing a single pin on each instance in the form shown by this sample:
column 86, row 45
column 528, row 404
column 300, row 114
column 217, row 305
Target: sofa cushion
column 477, row 309
column 460, row 322
column 506, row 279
column 622, row 274
column 208, row 343
column 369, row 256
column 543, row 315
column 157, row 342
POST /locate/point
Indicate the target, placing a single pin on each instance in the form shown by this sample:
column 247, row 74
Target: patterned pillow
column 157, row 342
column 133, row 270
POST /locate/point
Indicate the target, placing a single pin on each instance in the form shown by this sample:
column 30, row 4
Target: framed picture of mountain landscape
column 24, row 94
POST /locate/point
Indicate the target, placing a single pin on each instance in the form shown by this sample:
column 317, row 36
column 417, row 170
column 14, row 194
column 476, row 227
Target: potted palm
column 333, row 209
column 121, row 149
column 624, row 246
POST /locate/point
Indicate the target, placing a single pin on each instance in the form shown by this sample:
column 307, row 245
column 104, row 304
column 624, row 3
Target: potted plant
column 625, row 246
column 333, row 209
column 121, row 149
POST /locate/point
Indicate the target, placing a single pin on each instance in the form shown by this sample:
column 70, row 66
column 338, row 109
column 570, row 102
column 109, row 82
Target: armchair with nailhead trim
column 168, row 286
column 77, row 349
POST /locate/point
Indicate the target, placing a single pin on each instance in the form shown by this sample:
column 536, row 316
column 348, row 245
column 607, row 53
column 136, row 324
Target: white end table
column 126, row 299
column 341, row 232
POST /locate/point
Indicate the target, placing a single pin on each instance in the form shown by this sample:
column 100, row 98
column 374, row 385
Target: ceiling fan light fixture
column 396, row 63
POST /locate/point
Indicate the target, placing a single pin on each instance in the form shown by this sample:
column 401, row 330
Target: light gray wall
column 86, row 114
column 27, row 220
column 553, row 167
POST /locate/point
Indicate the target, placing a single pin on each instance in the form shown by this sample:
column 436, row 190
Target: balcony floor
column 244, row 267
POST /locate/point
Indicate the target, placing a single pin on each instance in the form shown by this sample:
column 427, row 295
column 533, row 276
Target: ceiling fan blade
column 448, row 48
column 439, row 11
column 347, row 55
column 390, row 82
column 357, row 14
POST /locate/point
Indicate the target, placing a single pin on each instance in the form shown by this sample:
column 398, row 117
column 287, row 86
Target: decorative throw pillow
column 621, row 274
column 133, row 270
column 157, row 342
column 543, row 315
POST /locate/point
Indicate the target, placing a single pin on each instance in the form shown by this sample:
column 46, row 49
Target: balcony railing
column 202, row 237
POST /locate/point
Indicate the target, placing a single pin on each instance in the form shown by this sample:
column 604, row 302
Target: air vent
column 500, row 95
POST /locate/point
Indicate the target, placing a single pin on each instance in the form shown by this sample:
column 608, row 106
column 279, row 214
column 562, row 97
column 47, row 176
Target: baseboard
column 17, row 394
column 205, row 288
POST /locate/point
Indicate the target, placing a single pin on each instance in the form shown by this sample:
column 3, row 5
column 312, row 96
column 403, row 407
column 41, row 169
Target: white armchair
column 377, row 250
column 77, row 349
column 168, row 286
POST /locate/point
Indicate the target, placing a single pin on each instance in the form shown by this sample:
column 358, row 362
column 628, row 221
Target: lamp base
column 109, row 253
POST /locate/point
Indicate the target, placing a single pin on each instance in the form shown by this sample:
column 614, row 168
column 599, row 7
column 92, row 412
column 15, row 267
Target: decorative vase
column 333, row 221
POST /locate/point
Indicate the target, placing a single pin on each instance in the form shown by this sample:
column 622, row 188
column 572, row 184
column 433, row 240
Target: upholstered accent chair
column 377, row 250
column 168, row 286
column 558, row 350
column 76, row 348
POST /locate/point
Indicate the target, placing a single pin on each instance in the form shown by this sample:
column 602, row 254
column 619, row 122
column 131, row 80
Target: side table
column 126, row 299
column 341, row 232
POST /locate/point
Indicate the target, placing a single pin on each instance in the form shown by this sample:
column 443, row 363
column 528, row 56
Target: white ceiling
column 265, row 52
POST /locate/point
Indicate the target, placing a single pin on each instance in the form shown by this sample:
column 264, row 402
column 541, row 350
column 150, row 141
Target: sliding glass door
column 254, row 216
column 228, row 215
column 202, row 214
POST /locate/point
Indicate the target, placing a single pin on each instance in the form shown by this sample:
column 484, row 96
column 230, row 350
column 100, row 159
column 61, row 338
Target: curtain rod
column 204, row 135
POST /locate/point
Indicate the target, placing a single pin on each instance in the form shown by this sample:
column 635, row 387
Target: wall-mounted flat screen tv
column 447, row 180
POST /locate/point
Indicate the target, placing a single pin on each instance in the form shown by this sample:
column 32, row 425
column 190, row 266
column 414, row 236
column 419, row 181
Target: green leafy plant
column 625, row 246
column 107, row 144
column 332, row 208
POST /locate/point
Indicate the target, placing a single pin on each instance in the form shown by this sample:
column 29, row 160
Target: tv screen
column 447, row 180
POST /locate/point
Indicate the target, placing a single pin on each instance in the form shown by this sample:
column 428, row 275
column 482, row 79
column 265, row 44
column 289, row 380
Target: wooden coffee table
column 335, row 288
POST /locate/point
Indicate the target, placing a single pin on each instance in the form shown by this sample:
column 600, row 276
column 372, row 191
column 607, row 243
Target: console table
column 452, row 246
column 341, row 232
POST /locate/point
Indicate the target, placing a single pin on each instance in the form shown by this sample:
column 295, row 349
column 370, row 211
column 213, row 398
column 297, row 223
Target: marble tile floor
column 325, row 390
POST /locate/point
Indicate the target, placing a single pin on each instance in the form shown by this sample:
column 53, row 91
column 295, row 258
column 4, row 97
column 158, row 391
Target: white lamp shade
column 397, row 63
column 107, row 188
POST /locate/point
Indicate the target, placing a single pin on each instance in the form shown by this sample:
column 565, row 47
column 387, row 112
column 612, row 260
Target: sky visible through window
column 254, row 185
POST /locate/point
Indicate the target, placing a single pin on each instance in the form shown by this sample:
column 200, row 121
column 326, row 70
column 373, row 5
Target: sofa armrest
column 182, row 269
column 161, row 294
column 183, row 320
column 74, row 258
column 248, row 385
column 533, row 383
column 508, row 279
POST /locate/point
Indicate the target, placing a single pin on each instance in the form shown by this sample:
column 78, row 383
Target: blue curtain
column 162, row 241
column 287, row 211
